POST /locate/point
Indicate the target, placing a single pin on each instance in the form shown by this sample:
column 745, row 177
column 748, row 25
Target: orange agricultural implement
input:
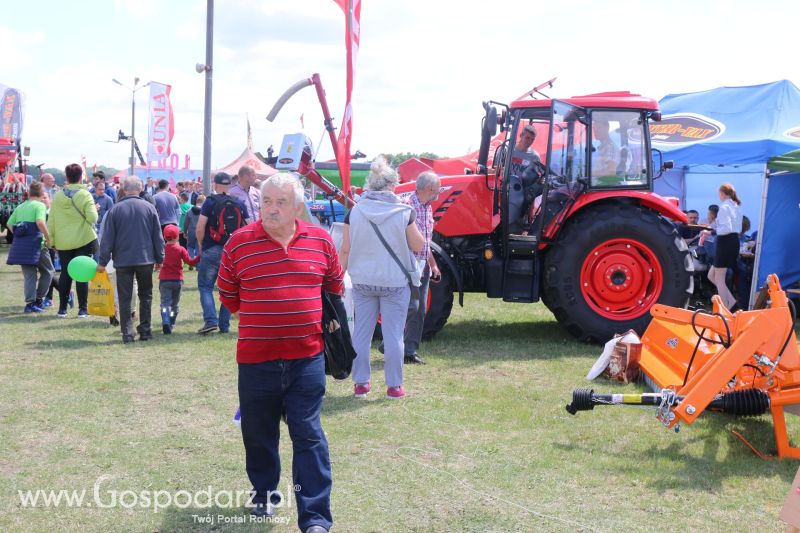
column 740, row 364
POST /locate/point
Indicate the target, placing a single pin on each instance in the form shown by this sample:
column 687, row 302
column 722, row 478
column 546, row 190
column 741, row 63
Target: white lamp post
column 133, row 90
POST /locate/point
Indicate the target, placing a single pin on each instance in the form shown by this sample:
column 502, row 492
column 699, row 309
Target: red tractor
column 565, row 213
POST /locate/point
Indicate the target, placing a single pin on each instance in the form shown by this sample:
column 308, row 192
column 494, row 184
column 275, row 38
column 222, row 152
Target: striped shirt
column 278, row 292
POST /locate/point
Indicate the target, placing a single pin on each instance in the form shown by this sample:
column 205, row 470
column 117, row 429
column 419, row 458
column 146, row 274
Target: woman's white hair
column 381, row 176
column 283, row 179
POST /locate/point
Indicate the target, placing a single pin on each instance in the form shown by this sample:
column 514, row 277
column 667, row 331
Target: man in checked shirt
column 272, row 274
column 427, row 190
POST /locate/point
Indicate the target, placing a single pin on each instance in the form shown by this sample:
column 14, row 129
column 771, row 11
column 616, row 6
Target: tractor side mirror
column 488, row 130
column 659, row 163
column 490, row 123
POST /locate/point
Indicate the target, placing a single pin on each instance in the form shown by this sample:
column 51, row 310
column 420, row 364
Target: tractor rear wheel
column 440, row 303
column 610, row 266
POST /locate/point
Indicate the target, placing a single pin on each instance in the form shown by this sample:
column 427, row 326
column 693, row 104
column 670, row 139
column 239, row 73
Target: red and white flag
column 352, row 38
column 162, row 127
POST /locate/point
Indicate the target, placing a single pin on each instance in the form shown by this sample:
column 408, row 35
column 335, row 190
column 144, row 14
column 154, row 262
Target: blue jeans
column 207, row 270
column 191, row 247
column 298, row 385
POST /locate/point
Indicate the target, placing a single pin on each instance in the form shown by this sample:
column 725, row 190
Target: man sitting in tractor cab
column 524, row 155
column 605, row 154
column 526, row 177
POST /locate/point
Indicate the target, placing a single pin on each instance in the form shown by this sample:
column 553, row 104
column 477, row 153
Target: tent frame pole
column 759, row 241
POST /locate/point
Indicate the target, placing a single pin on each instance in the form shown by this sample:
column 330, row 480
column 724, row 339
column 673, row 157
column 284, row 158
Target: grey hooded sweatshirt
column 369, row 263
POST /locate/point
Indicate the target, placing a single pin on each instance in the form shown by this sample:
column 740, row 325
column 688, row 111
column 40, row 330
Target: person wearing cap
column 210, row 249
column 170, row 278
column 132, row 238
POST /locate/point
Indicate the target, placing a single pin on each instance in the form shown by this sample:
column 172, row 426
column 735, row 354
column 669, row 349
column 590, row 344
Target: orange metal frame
column 670, row 340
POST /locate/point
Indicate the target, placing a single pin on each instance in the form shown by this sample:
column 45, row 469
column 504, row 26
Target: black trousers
column 55, row 281
column 65, row 280
column 144, row 281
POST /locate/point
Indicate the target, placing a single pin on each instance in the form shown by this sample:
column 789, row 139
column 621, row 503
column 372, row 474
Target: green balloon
column 82, row 268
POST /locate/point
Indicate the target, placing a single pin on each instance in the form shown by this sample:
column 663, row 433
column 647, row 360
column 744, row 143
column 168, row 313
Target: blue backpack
column 27, row 244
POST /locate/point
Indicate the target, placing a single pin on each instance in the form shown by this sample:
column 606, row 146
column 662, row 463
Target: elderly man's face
column 48, row 180
column 278, row 207
column 429, row 194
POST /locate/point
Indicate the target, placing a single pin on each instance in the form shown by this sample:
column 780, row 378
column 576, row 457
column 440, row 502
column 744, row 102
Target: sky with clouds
column 422, row 71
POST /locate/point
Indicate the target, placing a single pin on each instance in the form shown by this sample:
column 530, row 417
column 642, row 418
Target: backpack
column 226, row 217
column 27, row 245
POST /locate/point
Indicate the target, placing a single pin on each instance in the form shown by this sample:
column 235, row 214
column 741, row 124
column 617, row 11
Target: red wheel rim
column 621, row 279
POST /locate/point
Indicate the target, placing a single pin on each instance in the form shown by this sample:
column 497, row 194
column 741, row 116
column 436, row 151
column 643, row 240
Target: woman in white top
column 728, row 225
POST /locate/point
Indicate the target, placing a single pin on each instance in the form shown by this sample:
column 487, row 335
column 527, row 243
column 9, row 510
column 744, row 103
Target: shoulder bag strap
column 391, row 252
column 72, row 201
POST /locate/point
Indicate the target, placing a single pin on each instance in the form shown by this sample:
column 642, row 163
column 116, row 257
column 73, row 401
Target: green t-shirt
column 28, row 211
column 184, row 209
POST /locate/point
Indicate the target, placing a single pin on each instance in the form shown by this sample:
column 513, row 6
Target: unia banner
column 162, row 126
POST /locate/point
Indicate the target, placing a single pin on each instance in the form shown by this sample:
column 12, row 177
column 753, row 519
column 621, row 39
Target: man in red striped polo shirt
column 272, row 274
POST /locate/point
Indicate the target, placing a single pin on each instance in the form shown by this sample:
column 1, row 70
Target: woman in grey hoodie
column 381, row 278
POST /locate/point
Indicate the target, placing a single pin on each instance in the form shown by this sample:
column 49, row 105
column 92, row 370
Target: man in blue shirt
column 103, row 203
column 169, row 210
column 110, row 192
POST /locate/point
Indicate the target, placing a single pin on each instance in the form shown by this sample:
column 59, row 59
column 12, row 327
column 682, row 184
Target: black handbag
column 339, row 351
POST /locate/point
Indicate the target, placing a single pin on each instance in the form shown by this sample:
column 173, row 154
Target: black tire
column 563, row 293
column 441, row 297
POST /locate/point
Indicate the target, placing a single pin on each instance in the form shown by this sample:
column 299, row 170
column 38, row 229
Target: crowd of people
column 256, row 242
column 723, row 244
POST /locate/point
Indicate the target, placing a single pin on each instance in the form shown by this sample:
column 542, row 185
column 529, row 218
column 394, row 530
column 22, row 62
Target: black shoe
column 413, row 359
column 263, row 510
column 126, row 339
column 145, row 336
column 316, row 529
column 166, row 328
column 207, row 328
column 113, row 320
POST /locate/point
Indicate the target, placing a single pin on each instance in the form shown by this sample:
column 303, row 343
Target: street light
column 133, row 90
column 200, row 68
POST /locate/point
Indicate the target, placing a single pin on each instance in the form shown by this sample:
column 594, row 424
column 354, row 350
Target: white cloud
column 421, row 75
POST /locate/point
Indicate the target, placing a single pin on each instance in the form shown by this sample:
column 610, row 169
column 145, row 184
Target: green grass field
column 481, row 443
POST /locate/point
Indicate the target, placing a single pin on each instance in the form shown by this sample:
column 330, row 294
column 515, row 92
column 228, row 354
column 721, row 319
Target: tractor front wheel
column 610, row 266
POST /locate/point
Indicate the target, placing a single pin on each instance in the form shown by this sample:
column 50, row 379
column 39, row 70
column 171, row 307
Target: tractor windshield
column 617, row 151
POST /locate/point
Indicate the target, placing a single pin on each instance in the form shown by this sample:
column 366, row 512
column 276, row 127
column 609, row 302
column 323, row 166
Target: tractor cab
column 556, row 152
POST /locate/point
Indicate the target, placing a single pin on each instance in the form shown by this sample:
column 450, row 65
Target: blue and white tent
column 725, row 135
column 777, row 250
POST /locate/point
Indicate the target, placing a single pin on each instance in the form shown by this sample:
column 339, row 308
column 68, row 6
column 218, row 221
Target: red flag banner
column 352, row 38
column 162, row 127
